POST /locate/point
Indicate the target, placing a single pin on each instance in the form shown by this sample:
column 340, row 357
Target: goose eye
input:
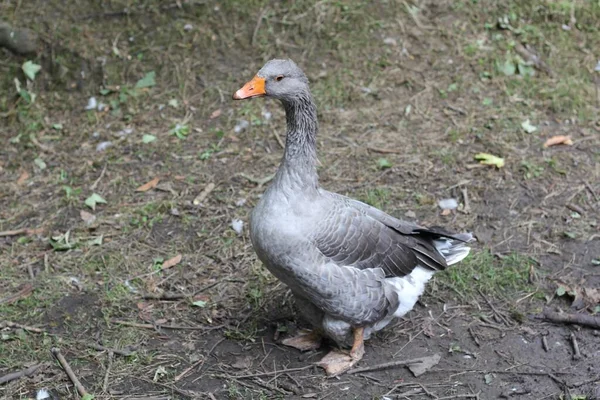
column 279, row 78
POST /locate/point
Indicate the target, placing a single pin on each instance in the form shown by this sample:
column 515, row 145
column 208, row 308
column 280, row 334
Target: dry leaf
column 215, row 114
column 560, row 139
column 148, row 185
column 22, row 178
column 425, row 365
column 87, row 217
column 172, row 262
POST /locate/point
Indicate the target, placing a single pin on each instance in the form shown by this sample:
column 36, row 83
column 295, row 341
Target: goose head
column 279, row 79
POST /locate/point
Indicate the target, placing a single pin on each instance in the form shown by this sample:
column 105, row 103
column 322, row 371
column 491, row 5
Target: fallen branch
column 10, row 324
column 281, row 371
column 65, row 365
column 155, row 326
column 20, row 374
column 164, row 296
column 25, row 231
column 566, row 318
column 26, row 291
column 391, row 364
column 96, row 346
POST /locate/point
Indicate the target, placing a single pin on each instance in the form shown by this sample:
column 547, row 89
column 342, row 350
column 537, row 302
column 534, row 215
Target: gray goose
column 351, row 267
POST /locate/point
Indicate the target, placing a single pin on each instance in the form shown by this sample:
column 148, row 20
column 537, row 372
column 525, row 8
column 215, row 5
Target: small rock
column 241, row 126
column 390, row 41
column 125, row 132
column 237, row 225
column 266, row 115
column 188, row 27
column 103, row 146
column 410, row 214
column 566, row 27
column 92, row 104
column 240, row 202
column 448, row 204
column 175, row 212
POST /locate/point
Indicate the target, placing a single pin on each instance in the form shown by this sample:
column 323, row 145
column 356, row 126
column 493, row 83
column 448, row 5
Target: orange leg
column 337, row 362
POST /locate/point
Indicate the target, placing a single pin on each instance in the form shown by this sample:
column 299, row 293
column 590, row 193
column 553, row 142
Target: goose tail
column 456, row 249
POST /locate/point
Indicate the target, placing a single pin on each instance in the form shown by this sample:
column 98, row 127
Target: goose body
column 351, row 267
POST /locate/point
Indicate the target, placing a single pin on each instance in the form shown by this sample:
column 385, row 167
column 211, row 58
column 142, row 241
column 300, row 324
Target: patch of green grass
column 378, row 197
column 484, row 272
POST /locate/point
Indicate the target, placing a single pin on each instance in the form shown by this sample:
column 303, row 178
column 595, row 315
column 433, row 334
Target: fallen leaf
column 528, row 127
column 199, row 303
column 87, row 217
column 425, row 365
column 242, row 362
column 147, row 138
column 148, row 185
column 93, row 200
column 171, row 262
column 490, row 159
column 215, row 114
column 147, row 81
column 31, row 69
column 559, row 139
column 22, row 178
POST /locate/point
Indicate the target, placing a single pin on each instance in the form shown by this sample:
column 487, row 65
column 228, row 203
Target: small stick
column 22, row 231
column 99, row 347
column 151, row 326
column 200, row 362
column 384, row 151
column 164, row 296
column 565, row 318
column 93, row 187
column 474, row 336
column 577, row 355
column 204, row 194
column 9, row 324
column 391, row 364
column 279, row 371
column 576, row 208
column 20, row 374
column 466, row 208
column 545, row 343
column 278, row 139
column 65, row 365
column 106, row 375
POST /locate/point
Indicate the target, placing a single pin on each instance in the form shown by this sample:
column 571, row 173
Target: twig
column 489, row 303
column 566, row 318
column 154, row 326
column 545, row 343
column 164, row 296
column 26, row 291
column 576, row 208
column 589, row 187
column 204, row 194
column 257, row 27
column 278, row 138
column 10, row 324
column 184, row 393
column 65, row 365
column 20, row 374
column 467, row 207
column 577, row 354
column 26, row 231
column 279, row 371
column 391, row 364
column 191, row 367
column 578, row 384
column 474, row 336
column 93, row 187
column 385, row 151
column 106, row 375
column 96, row 346
column 258, row 181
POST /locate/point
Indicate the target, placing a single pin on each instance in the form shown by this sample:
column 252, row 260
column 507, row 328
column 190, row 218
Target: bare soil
column 408, row 94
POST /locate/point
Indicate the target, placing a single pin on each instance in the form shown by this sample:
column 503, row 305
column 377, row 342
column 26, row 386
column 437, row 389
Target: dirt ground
column 120, row 238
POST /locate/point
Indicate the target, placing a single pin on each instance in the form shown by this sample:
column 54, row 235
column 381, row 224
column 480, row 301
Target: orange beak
column 254, row 88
